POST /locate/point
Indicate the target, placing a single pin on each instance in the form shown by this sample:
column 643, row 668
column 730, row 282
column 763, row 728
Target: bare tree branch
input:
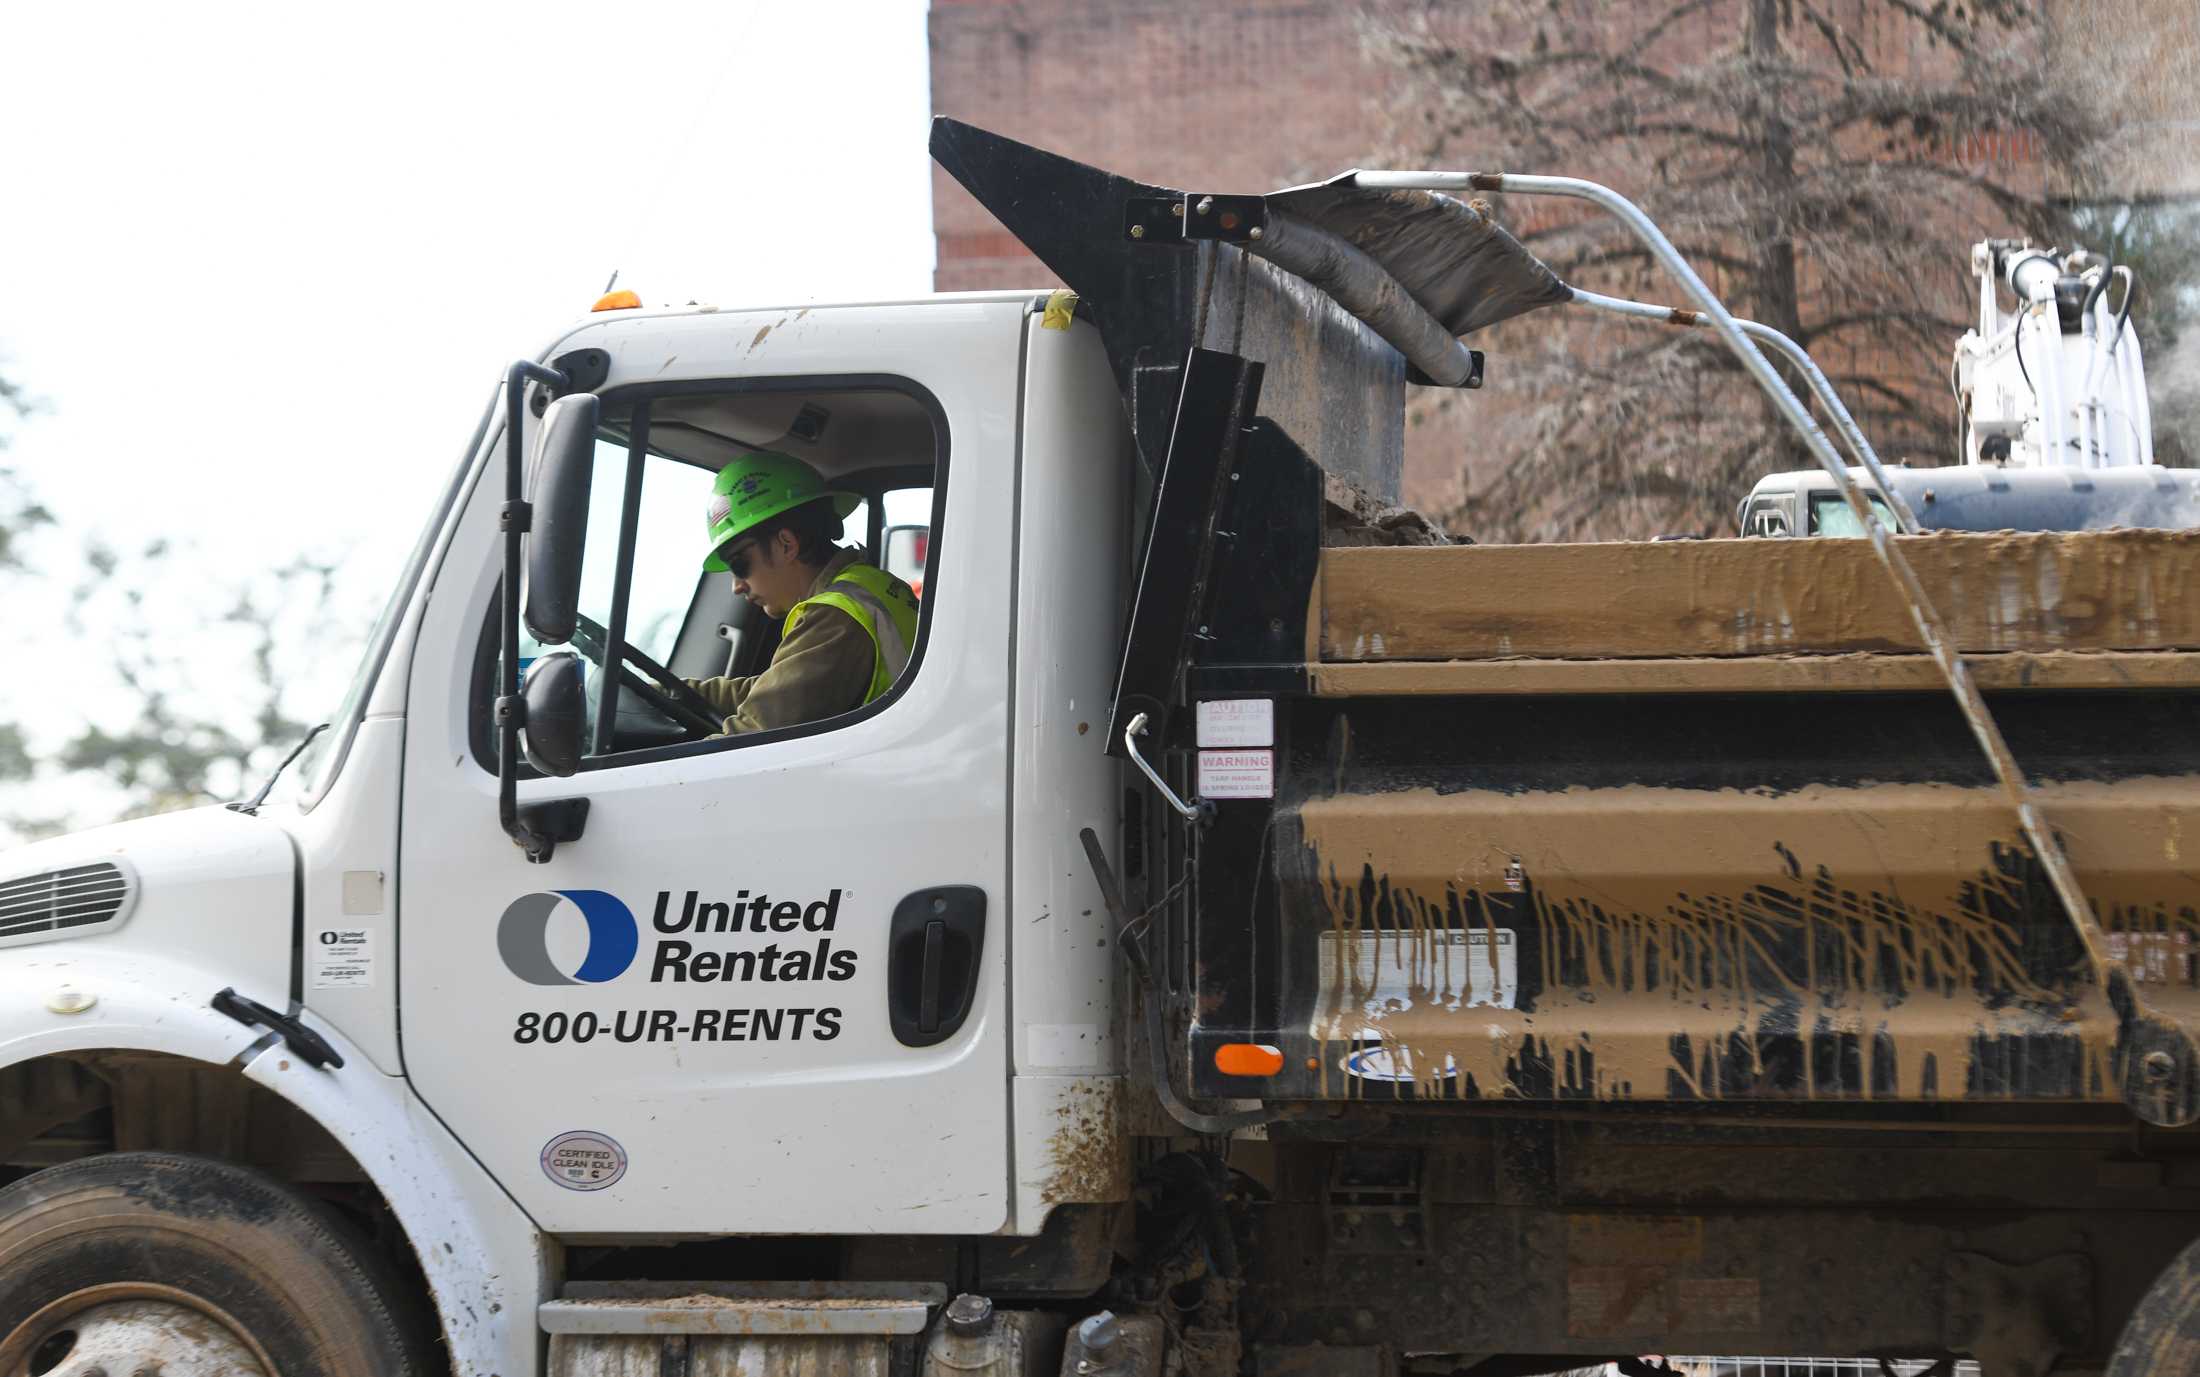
column 1808, row 159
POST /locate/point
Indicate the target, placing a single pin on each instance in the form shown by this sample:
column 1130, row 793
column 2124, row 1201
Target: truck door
column 764, row 991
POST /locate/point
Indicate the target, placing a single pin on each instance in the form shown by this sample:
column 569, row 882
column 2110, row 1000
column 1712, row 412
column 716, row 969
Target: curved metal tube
column 1361, row 286
column 1134, row 729
column 1821, row 386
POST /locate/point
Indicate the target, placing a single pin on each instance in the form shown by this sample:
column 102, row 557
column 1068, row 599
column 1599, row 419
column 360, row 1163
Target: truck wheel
column 2163, row 1333
column 141, row 1262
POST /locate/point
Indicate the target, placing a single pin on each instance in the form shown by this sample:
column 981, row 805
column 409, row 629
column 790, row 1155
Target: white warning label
column 1369, row 977
column 341, row 959
column 1237, row 774
column 1237, row 722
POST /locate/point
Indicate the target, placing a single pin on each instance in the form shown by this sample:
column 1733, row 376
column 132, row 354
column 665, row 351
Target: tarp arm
column 1821, row 387
column 2156, row 1101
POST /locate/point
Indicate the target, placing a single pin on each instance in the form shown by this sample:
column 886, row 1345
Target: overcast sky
column 263, row 265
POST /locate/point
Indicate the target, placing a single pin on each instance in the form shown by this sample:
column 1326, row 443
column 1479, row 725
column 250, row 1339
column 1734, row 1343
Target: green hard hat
column 757, row 487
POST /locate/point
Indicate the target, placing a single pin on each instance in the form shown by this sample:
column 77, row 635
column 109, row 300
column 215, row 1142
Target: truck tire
column 2163, row 1333
column 161, row 1262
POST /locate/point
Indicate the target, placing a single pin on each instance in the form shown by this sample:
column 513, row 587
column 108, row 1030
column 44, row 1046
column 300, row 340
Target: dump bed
column 2109, row 609
column 1696, row 820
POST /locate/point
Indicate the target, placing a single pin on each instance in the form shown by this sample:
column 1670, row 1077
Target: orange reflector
column 1248, row 1059
column 621, row 300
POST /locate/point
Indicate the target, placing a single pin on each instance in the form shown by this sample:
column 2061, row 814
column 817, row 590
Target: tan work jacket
column 822, row 669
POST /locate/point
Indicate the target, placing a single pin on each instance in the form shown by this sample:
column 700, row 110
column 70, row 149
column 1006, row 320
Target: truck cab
column 694, row 1018
column 1979, row 497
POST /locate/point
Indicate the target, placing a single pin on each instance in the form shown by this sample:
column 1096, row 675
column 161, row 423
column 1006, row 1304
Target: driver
column 846, row 629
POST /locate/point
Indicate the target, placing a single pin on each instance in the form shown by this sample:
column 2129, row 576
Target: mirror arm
column 513, row 519
column 622, row 577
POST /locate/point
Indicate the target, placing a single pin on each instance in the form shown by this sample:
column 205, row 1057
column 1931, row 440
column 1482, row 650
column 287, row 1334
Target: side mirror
column 557, row 713
column 565, row 453
column 906, row 548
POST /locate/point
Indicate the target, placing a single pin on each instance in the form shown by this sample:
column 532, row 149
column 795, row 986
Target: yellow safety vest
column 886, row 609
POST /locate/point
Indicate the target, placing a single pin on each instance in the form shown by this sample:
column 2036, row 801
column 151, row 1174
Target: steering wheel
column 670, row 694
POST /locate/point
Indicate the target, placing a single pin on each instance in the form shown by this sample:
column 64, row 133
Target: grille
column 64, row 903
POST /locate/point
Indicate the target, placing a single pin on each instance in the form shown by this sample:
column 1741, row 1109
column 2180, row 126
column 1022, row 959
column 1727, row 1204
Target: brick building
column 1244, row 95
column 1250, row 95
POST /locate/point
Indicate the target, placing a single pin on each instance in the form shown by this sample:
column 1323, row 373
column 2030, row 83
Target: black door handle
column 932, row 952
column 935, row 957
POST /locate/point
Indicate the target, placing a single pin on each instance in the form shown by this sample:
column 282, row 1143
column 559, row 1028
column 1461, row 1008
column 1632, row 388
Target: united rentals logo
column 750, row 937
column 523, row 937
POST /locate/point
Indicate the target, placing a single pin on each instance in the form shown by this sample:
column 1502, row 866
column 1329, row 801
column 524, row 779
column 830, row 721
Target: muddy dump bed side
column 1697, row 821
column 2099, row 609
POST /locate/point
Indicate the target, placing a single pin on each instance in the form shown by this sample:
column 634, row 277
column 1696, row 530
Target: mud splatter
column 1088, row 1154
column 1888, row 942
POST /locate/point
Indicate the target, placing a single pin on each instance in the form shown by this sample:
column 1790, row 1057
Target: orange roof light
column 621, row 300
column 1248, row 1059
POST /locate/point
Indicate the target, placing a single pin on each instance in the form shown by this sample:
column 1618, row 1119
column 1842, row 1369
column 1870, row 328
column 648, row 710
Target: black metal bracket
column 2158, row 1059
column 1263, row 576
column 1231, row 219
column 1477, row 359
column 308, row 1046
column 548, row 823
column 1155, row 220
column 1180, row 221
column 1221, row 392
column 1377, row 1200
column 584, row 370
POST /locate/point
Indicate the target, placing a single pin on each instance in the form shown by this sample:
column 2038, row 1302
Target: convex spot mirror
column 557, row 713
column 565, row 452
column 904, row 555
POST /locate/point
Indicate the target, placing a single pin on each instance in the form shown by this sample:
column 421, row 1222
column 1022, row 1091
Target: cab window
column 1766, row 517
column 1830, row 515
column 654, row 625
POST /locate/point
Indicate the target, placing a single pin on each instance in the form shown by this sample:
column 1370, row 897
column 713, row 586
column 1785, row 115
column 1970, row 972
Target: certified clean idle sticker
column 583, row 1161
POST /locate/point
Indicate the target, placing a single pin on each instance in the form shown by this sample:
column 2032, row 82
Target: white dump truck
column 1252, row 935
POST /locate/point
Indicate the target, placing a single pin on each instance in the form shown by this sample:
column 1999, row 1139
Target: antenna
column 612, row 283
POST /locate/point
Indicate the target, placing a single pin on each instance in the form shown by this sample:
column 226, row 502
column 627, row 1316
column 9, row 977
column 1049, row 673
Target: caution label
column 341, row 959
column 1237, row 722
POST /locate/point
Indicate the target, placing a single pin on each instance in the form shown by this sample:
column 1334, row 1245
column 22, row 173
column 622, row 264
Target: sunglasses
column 737, row 557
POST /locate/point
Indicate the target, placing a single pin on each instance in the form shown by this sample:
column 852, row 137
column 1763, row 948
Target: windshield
column 317, row 764
column 1830, row 515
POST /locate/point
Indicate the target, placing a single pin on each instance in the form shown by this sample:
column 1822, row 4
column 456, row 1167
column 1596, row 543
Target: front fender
column 138, row 1003
column 487, row 1265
